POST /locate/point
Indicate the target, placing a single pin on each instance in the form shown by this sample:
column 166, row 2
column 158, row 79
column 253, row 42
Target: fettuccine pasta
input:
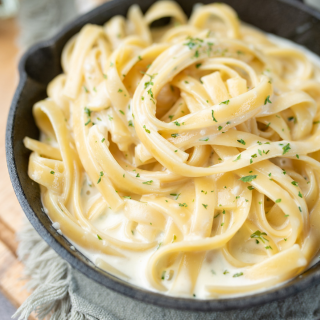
column 183, row 158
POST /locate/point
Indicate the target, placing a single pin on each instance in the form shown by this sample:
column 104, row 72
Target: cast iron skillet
column 41, row 63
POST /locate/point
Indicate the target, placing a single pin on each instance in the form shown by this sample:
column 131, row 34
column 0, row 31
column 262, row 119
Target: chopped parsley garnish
column 248, row 178
column 120, row 90
column 130, row 123
column 87, row 111
column 139, row 58
column 174, row 238
column 193, row 42
column 99, row 237
column 121, row 111
column 177, row 123
column 103, row 139
column 238, row 275
column 198, row 65
column 300, row 194
column 147, row 130
column 269, row 247
column 174, row 135
column 238, row 158
column 219, row 128
column 267, row 100
column 87, row 122
column 52, row 172
column 213, row 118
column 242, row 142
column 138, row 175
column 297, row 156
column 205, row 205
column 286, row 148
column 147, row 182
column 225, row 102
column 183, row 204
column 250, row 187
column 175, row 195
column 225, row 272
column 204, row 139
column 278, row 201
column 101, row 175
column 127, row 197
column 259, row 235
column 295, row 183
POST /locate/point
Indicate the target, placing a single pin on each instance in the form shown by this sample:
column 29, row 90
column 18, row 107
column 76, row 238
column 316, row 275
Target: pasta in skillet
column 185, row 158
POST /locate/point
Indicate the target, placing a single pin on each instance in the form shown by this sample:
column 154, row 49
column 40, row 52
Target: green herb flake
column 267, row 100
column 278, row 201
column 238, row 275
column 147, row 130
column 52, row 172
column 225, row 102
column 148, row 182
column 213, row 118
column 259, row 235
column 286, row 148
column 87, row 111
column 101, row 175
column 99, row 237
column 205, row 205
column 242, row 142
column 248, row 178
column 174, row 135
column 238, row 158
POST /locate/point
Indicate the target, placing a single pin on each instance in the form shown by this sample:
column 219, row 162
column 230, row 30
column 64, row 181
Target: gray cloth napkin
column 61, row 291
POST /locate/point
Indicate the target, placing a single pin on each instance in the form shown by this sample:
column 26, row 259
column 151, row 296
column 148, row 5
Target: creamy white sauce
column 215, row 269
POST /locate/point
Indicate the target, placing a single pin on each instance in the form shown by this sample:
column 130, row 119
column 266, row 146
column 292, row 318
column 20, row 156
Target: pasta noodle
column 183, row 158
